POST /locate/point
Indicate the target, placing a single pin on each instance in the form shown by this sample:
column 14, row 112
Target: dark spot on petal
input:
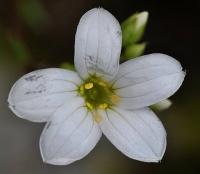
column 90, row 60
column 119, row 33
column 35, row 92
column 48, row 125
column 89, row 57
column 13, row 106
column 32, row 78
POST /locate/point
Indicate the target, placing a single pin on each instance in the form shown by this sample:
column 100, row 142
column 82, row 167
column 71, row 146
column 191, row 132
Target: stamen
column 103, row 106
column 97, row 93
column 114, row 99
column 89, row 106
column 102, row 84
column 81, row 90
column 97, row 117
column 89, row 85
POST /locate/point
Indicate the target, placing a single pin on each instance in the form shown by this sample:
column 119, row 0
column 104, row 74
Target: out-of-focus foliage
column 13, row 47
column 32, row 13
column 13, row 44
column 2, row 44
column 18, row 49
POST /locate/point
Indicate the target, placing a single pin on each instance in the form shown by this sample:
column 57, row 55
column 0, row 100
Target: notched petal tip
column 70, row 135
column 46, row 158
column 157, row 158
column 58, row 161
column 148, row 79
column 138, row 134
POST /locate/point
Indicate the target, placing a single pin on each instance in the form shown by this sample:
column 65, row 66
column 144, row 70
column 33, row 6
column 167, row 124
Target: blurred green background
column 40, row 33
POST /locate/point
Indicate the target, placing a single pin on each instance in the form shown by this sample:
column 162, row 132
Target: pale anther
column 103, row 106
column 89, row 106
column 114, row 99
column 89, row 85
column 97, row 117
column 102, row 84
column 81, row 90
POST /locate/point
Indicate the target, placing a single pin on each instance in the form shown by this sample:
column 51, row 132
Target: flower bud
column 66, row 65
column 134, row 50
column 133, row 28
column 162, row 105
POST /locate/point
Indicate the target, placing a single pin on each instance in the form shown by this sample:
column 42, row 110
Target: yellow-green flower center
column 97, row 93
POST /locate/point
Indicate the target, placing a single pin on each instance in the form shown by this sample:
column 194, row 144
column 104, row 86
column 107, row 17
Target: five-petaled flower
column 101, row 97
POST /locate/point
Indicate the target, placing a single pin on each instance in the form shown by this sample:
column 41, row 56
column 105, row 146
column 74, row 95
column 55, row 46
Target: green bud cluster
column 132, row 31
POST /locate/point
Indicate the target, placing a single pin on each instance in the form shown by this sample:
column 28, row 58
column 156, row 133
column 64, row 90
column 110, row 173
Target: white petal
column 36, row 95
column 147, row 80
column 70, row 135
column 98, row 44
column 138, row 134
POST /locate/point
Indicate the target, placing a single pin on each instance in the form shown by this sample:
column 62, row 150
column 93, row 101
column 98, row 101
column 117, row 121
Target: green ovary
column 97, row 93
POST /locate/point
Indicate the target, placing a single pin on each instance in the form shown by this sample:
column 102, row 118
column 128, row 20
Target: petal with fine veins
column 97, row 44
column 138, row 134
column 70, row 135
column 36, row 95
column 147, row 80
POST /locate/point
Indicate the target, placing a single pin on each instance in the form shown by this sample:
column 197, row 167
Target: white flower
column 101, row 97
